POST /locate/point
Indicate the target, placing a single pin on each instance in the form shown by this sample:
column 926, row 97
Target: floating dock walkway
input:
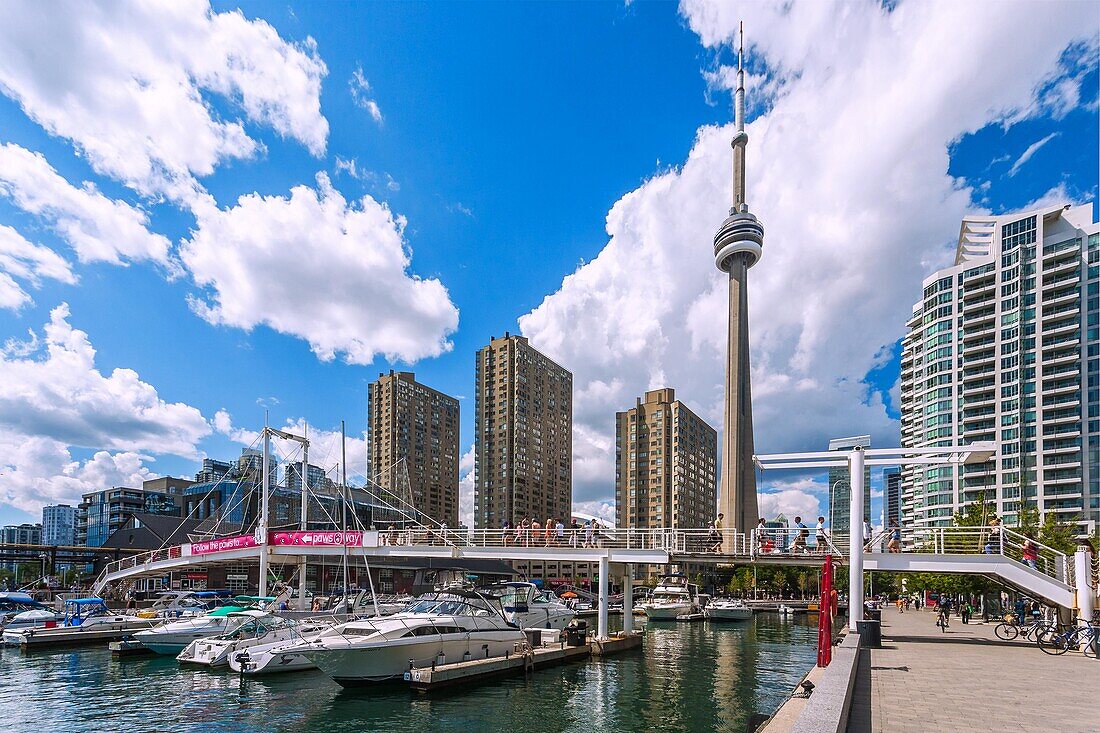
column 445, row 675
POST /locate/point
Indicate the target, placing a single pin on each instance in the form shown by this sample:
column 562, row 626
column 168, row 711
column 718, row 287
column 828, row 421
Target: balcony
column 1060, row 266
column 970, row 334
column 1060, row 297
column 969, row 375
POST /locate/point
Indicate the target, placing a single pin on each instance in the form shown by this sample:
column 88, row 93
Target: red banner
column 225, row 543
column 318, row 539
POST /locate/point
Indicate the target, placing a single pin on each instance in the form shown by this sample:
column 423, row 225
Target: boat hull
column 366, row 664
column 728, row 614
column 667, row 612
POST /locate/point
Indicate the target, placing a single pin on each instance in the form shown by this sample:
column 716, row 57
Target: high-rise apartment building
column 666, row 460
column 523, row 422
column 59, row 525
column 891, row 495
column 413, row 433
column 1004, row 347
column 840, row 486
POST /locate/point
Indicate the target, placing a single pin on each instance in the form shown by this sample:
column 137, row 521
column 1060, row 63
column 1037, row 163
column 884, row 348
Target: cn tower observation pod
column 741, row 232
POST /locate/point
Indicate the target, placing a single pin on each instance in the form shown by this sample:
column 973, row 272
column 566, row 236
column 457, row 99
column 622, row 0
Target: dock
column 57, row 638
column 446, row 675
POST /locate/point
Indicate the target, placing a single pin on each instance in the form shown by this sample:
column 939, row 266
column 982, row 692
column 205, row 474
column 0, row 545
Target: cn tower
column 738, row 245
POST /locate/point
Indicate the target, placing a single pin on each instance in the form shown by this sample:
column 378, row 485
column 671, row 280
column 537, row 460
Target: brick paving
column 967, row 679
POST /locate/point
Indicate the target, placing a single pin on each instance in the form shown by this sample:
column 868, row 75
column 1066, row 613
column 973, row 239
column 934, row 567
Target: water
column 696, row 677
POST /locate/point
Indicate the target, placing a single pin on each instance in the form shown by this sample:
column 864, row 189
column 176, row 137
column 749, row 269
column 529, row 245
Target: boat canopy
column 84, row 602
column 17, row 597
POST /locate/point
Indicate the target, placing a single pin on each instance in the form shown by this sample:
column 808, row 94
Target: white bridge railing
column 775, row 543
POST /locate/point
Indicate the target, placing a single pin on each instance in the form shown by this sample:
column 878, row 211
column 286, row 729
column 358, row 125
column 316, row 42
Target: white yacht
column 451, row 625
column 283, row 655
column 170, row 637
column 672, row 597
column 529, row 607
column 180, row 603
column 84, row 619
column 23, row 605
column 257, row 628
column 727, row 609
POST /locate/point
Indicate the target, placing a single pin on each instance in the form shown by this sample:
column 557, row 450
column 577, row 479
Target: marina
column 732, row 671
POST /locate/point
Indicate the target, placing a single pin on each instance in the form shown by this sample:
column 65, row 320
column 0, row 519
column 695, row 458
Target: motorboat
column 257, row 628
column 180, row 603
column 529, row 607
column 31, row 613
column 282, row 655
column 451, row 625
column 172, row 636
column 85, row 620
column 360, row 604
column 727, row 609
column 672, row 597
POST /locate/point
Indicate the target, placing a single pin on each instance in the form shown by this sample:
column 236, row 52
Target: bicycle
column 942, row 621
column 1072, row 638
column 1010, row 629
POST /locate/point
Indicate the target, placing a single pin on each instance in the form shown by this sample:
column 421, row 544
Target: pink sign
column 318, row 539
column 222, row 544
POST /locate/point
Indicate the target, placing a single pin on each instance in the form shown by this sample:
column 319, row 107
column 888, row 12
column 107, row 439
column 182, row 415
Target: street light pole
column 855, row 538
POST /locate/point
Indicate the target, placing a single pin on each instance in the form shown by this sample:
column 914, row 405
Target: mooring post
column 628, row 599
column 601, row 627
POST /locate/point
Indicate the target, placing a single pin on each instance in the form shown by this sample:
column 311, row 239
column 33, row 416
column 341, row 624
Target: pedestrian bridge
column 997, row 554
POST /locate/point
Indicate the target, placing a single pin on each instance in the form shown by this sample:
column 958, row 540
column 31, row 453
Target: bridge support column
column 1086, row 593
column 855, row 539
column 601, row 625
column 628, row 599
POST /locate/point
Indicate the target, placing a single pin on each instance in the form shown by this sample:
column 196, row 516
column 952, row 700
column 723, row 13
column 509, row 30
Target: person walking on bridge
column 821, row 538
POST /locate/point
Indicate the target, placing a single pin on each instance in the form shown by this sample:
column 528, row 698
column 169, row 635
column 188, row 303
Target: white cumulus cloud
column 315, row 266
column 848, row 171
column 28, row 262
column 38, row 470
column 98, row 228
column 61, row 395
column 128, row 82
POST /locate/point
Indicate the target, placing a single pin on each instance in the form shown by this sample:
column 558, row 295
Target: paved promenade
column 967, row 679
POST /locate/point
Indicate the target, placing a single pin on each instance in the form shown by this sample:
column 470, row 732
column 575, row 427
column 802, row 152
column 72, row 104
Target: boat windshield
column 446, row 604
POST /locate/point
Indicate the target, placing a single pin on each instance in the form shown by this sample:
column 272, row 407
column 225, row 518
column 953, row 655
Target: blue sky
column 504, row 135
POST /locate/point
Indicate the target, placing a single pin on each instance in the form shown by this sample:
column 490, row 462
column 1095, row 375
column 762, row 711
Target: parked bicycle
column 1072, row 637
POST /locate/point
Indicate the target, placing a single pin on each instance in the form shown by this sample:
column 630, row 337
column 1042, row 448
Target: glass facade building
column 1004, row 347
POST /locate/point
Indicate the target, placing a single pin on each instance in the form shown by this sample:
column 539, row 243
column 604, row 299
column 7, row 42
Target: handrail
column 759, row 543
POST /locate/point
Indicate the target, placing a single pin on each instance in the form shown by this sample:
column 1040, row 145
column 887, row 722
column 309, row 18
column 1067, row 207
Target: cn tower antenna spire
column 740, row 138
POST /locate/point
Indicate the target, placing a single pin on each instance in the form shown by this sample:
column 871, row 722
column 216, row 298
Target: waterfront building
column 102, row 512
column 738, row 245
column 412, row 444
column 250, row 466
column 840, row 486
column 891, row 495
column 212, row 470
column 523, row 422
column 1004, row 346
column 315, row 475
column 59, row 525
column 665, row 464
column 20, row 534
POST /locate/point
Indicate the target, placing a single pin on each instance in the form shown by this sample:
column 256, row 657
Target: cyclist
column 944, row 618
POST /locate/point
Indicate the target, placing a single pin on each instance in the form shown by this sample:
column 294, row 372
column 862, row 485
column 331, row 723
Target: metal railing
column 790, row 542
column 994, row 541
